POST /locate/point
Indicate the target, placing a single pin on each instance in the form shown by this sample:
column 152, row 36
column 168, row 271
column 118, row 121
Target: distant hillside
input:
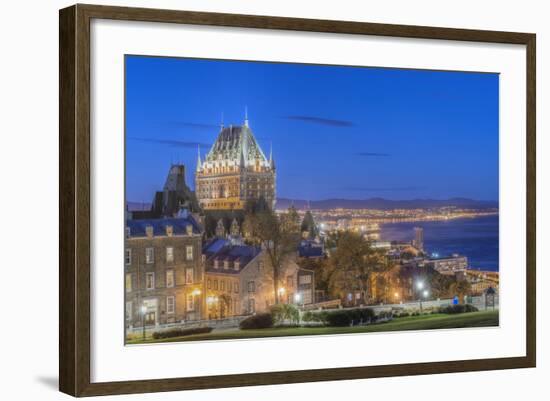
column 385, row 204
column 372, row 203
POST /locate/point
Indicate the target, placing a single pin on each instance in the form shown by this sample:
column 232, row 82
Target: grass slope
column 424, row 322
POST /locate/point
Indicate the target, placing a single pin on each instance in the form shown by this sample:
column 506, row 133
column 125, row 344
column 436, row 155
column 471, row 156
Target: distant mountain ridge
column 385, row 204
column 371, row 203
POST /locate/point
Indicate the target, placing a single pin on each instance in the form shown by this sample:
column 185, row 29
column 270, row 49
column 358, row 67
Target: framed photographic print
column 312, row 200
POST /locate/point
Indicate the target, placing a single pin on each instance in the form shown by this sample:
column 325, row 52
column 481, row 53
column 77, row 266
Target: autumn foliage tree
column 352, row 263
column 277, row 234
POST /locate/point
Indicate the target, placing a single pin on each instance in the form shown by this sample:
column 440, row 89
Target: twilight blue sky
column 337, row 132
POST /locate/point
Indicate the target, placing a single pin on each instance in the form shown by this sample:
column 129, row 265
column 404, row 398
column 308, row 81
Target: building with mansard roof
column 234, row 171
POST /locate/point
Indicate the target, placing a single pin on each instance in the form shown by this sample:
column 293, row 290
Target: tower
column 418, row 241
column 235, row 171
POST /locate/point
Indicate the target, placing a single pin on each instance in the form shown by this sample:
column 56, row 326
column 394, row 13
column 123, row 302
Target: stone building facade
column 239, row 279
column 163, row 271
column 234, row 171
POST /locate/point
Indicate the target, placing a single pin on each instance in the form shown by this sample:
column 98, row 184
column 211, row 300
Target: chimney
column 149, row 231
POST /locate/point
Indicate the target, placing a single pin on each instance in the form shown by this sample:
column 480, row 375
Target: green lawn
column 424, row 322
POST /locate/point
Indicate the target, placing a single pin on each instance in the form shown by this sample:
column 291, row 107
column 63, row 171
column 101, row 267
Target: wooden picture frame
column 74, row 204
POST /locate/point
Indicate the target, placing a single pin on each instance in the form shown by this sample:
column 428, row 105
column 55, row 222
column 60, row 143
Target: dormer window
column 237, row 265
column 169, row 231
column 226, row 264
column 149, row 231
column 189, row 229
column 216, row 263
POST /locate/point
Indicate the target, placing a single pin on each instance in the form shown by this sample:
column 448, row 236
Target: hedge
column 347, row 317
column 178, row 332
column 452, row 309
column 258, row 321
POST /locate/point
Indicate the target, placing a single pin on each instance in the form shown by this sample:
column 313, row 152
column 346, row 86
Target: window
column 129, row 310
column 251, row 306
column 128, row 282
column 215, row 284
column 128, row 257
column 260, row 266
column 169, row 254
column 222, row 285
column 305, row 279
column 251, row 286
column 208, row 284
column 169, row 278
column 150, row 281
column 170, row 304
column 190, row 303
column 229, row 286
column 149, row 255
column 189, row 252
column 189, row 275
column 290, row 281
column 236, row 287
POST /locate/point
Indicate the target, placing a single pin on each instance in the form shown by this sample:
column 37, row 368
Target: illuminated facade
column 234, row 171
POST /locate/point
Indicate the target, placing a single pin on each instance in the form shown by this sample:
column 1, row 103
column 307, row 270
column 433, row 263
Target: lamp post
column 281, row 291
column 143, row 310
column 196, row 293
column 425, row 294
column 420, row 287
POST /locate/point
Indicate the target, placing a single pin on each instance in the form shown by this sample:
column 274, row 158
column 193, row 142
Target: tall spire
column 246, row 116
column 271, row 162
column 199, row 163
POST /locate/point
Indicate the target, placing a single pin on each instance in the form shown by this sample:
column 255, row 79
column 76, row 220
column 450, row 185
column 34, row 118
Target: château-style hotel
column 234, row 171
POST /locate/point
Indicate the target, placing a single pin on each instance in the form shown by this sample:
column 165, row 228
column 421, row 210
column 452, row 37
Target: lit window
column 189, row 252
column 169, row 278
column 150, row 281
column 170, row 304
column 189, row 275
column 169, row 254
column 222, row 285
column 149, row 255
column 128, row 282
column 208, row 284
column 190, row 303
column 305, row 279
column 128, row 257
column 215, row 284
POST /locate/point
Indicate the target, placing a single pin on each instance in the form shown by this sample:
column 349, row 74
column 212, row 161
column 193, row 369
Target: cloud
column 372, row 154
column 172, row 142
column 384, row 189
column 321, row 121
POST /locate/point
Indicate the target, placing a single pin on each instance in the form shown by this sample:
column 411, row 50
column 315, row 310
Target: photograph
column 274, row 199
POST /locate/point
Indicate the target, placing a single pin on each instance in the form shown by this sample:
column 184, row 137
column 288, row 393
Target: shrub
column 452, row 309
column 179, row 332
column 348, row 317
column 258, row 321
column 283, row 312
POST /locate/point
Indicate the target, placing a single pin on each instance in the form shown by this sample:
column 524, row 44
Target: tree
column 309, row 226
column 460, row 288
column 353, row 262
column 278, row 236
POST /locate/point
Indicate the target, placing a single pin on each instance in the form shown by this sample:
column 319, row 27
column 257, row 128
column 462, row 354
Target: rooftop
column 137, row 228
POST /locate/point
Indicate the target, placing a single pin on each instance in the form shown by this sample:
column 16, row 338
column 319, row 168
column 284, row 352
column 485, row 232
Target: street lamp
column 196, row 292
column 143, row 311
